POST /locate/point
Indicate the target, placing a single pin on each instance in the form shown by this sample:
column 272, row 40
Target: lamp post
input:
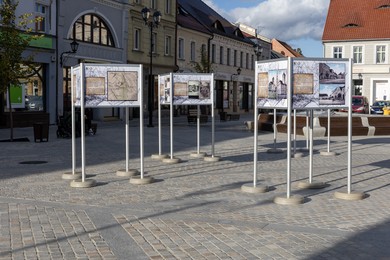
column 151, row 23
column 73, row 46
column 258, row 50
column 234, row 89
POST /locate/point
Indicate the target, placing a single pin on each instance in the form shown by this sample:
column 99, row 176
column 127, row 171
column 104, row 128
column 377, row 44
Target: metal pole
column 311, row 148
column 151, row 79
column 82, row 125
column 328, row 130
column 198, row 129
column 73, row 127
column 289, row 106
column 295, row 131
column 274, row 128
column 127, row 139
column 350, row 128
column 255, row 142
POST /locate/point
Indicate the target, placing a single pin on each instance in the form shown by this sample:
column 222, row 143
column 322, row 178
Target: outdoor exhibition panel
column 189, row 89
column 105, row 85
column 304, row 84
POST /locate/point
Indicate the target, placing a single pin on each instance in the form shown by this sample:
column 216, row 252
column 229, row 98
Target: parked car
column 34, row 103
column 377, row 106
column 359, row 105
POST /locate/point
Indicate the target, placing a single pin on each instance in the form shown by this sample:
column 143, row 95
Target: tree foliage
column 204, row 66
column 15, row 37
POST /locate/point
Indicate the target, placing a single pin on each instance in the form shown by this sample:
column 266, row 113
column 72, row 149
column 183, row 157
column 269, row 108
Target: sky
column 300, row 23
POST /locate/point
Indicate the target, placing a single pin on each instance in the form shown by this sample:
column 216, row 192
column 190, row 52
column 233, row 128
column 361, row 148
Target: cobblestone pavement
column 194, row 209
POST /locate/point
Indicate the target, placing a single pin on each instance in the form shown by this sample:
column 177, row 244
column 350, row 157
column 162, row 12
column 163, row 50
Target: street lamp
column 258, row 50
column 151, row 23
column 73, row 46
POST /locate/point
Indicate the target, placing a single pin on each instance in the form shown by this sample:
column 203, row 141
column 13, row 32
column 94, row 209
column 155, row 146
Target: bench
column 381, row 124
column 265, row 122
column 300, row 122
column 339, row 126
column 193, row 116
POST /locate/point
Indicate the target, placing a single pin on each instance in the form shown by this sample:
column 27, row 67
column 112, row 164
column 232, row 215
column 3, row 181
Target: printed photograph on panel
column 262, row 85
column 332, row 73
column 180, row 89
column 94, row 86
column 332, row 83
column 167, row 90
column 193, row 89
column 277, row 86
column 204, row 91
column 303, row 83
column 332, row 94
column 74, row 90
column 122, row 85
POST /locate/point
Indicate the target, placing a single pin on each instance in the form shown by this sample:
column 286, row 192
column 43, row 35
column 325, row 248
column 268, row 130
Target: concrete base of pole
column 140, row 181
column 198, row 155
column 297, row 155
column 82, row 184
column 312, row 185
column 274, row 150
column 71, row 176
column 249, row 188
column 326, row 153
column 129, row 173
column 171, row 160
column 159, row 156
column 292, row 200
column 212, row 159
column 353, row 195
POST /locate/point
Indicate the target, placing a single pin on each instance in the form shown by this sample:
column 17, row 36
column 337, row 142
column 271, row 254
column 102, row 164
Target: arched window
column 92, row 29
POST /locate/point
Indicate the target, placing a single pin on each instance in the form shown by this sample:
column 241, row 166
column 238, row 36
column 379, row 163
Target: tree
column 15, row 37
column 204, row 66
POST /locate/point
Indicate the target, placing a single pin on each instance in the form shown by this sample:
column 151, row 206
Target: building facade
column 101, row 30
column 363, row 35
column 38, row 98
column 230, row 54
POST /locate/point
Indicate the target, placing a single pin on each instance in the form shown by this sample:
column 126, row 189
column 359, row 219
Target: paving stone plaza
column 194, row 209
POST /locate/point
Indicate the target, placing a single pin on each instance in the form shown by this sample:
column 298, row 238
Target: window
column 168, row 6
column 337, row 52
column 90, row 28
column 137, row 34
column 228, row 57
column 192, row 48
column 154, row 42
column 213, row 53
column 241, row 59
column 153, row 4
column 380, row 54
column 247, row 61
column 221, row 55
column 168, row 45
column 181, row 49
column 235, row 58
column 358, row 54
column 253, row 62
column 42, row 12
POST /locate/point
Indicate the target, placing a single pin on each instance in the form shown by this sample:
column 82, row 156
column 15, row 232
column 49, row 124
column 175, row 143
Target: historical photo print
column 303, row 83
column 277, row 86
column 204, row 91
column 332, row 83
column 95, row 85
column 180, row 89
column 193, row 89
column 262, row 85
column 122, row 85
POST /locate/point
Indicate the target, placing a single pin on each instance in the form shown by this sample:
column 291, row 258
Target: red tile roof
column 357, row 20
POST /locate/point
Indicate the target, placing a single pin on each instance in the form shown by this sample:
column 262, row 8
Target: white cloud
column 282, row 19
